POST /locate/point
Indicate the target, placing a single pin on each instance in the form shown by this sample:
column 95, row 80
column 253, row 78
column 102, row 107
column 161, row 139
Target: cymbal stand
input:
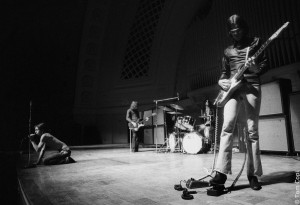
column 178, row 133
column 166, row 145
column 29, row 143
column 156, row 102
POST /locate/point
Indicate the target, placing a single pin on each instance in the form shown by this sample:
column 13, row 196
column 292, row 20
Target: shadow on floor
column 272, row 178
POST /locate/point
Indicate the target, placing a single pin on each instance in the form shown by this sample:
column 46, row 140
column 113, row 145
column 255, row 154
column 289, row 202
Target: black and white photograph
column 150, row 102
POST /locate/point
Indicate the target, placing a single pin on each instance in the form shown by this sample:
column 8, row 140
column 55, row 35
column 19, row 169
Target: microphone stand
column 156, row 101
column 29, row 143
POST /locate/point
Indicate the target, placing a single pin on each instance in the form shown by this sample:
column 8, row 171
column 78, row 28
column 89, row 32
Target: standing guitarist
column 133, row 119
column 249, row 93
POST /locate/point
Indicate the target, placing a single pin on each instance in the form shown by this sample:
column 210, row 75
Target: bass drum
column 192, row 142
column 172, row 142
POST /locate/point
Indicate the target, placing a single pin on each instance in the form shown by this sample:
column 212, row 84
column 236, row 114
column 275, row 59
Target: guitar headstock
column 276, row 34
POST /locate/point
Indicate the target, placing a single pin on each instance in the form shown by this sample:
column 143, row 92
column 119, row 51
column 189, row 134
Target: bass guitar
column 139, row 124
column 223, row 95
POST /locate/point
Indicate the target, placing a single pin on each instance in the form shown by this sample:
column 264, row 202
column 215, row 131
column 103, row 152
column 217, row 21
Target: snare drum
column 188, row 122
column 192, row 142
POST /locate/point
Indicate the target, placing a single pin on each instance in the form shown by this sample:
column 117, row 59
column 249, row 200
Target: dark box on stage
column 295, row 119
column 150, row 134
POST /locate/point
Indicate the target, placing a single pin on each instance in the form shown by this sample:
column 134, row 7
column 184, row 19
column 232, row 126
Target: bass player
column 249, row 93
column 133, row 119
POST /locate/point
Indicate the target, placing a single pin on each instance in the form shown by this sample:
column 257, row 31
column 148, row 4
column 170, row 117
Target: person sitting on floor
column 47, row 141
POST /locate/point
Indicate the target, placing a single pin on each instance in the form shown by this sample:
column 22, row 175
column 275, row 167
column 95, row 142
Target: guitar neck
column 257, row 53
column 146, row 117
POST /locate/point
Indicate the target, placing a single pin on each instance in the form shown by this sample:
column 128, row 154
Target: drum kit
column 186, row 136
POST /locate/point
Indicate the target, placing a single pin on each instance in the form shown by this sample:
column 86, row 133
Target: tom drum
column 188, row 122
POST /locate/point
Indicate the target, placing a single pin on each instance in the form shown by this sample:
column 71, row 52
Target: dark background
column 39, row 48
column 40, row 42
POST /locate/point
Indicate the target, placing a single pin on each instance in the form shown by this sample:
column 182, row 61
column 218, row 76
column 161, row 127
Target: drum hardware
column 166, row 145
column 156, row 107
column 175, row 142
column 179, row 125
column 175, row 113
column 200, row 127
column 164, row 108
column 176, row 107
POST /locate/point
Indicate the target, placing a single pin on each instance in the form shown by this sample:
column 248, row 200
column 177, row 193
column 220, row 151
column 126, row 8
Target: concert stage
column 113, row 175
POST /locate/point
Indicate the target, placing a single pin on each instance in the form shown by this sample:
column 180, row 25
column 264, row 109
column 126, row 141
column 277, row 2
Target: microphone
column 177, row 96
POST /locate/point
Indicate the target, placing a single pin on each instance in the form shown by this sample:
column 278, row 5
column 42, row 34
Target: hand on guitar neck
column 225, row 84
column 252, row 66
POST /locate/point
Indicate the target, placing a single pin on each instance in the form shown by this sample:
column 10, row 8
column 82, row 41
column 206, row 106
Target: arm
column 128, row 119
column 42, row 152
column 37, row 147
column 224, row 81
column 259, row 65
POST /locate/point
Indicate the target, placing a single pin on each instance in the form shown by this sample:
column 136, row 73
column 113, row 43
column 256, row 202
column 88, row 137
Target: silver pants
column 250, row 96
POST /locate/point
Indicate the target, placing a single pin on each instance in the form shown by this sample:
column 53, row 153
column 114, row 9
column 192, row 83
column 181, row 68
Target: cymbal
column 175, row 113
column 176, row 107
column 165, row 108
column 205, row 116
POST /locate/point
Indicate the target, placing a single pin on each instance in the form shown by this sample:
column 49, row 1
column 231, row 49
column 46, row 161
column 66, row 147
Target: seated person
column 47, row 141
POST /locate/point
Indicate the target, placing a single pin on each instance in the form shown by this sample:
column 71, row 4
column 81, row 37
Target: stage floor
column 116, row 176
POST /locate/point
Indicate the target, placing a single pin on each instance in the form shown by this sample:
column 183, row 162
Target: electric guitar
column 223, row 95
column 139, row 124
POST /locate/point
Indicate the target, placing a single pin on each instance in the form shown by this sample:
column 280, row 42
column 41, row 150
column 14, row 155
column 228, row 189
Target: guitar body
column 135, row 128
column 224, row 96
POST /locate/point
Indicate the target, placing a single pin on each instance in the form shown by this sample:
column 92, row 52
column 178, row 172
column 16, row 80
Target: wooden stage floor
column 116, row 176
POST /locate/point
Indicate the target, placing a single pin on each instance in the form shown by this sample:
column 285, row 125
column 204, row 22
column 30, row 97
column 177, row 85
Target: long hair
column 236, row 21
column 134, row 105
column 41, row 126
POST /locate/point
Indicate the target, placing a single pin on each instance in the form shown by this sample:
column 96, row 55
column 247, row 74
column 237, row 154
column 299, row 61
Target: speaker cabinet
column 295, row 119
column 273, row 134
column 274, row 97
column 159, row 135
column 159, row 118
column 274, row 117
column 148, row 113
column 271, row 102
column 148, row 135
